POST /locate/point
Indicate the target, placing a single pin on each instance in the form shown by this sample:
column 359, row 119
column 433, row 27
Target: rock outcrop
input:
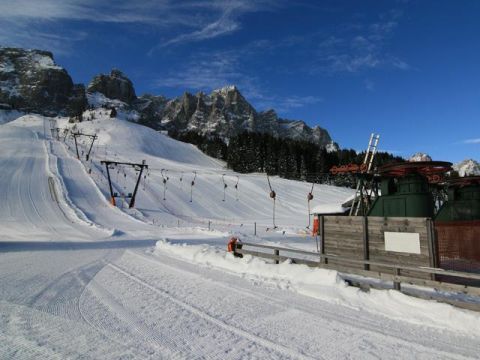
column 114, row 86
column 226, row 113
column 31, row 81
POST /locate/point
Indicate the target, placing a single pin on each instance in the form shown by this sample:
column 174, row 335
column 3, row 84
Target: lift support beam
column 93, row 137
column 136, row 166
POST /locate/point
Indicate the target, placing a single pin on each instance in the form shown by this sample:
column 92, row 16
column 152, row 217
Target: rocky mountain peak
column 225, row 112
column 420, row 157
column 468, row 167
column 30, row 80
column 115, row 85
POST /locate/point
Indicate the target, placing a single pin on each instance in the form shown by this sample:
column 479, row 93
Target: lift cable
column 224, row 186
column 236, row 188
column 165, row 179
column 309, row 198
column 192, row 184
column 273, row 195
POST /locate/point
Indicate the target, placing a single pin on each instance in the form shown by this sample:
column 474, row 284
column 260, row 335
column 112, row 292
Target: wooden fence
column 402, row 241
column 400, row 250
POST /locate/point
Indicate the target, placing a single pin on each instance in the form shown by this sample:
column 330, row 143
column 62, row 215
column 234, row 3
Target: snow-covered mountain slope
column 81, row 278
column 468, row 167
column 129, row 142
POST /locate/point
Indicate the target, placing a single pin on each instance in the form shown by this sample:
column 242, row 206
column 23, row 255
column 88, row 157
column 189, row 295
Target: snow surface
column 420, row 157
column 44, row 62
column 80, row 278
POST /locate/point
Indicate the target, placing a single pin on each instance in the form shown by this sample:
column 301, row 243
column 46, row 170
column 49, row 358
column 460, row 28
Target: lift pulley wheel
column 349, row 168
column 432, row 170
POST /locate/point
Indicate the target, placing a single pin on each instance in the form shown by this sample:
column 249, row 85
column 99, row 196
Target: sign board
column 402, row 242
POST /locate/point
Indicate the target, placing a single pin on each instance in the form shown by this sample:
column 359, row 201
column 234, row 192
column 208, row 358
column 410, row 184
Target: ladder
column 361, row 191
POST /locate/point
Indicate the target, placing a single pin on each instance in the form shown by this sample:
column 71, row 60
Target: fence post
column 255, row 228
column 322, row 238
column 432, row 246
column 396, row 284
column 209, row 225
column 277, row 253
column 366, row 249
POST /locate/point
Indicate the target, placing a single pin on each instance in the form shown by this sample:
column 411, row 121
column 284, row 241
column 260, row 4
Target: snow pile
column 468, row 167
column 420, row 157
column 326, row 285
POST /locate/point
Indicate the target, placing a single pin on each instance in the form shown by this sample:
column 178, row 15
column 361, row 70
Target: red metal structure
column 432, row 170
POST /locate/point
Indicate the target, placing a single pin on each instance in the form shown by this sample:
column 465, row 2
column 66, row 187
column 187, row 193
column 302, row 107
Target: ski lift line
column 213, row 173
column 165, row 179
column 309, row 198
column 273, row 196
column 224, row 186
column 236, row 188
column 108, row 166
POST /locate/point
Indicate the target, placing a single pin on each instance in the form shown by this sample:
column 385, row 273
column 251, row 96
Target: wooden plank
column 427, row 270
column 374, row 274
column 366, row 246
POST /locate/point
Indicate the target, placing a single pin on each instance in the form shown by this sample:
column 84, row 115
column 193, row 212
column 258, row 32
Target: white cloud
column 204, row 71
column 358, row 48
column 36, row 23
column 225, row 20
column 472, row 141
column 207, row 71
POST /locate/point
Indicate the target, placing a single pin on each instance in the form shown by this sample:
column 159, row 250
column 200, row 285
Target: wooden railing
column 468, row 283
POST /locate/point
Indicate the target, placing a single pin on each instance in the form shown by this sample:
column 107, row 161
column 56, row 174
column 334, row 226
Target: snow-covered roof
column 335, row 208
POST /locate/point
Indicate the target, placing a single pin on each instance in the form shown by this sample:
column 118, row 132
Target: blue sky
column 409, row 70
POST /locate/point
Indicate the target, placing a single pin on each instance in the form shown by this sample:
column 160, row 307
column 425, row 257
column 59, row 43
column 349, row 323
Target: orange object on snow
column 231, row 244
column 316, row 226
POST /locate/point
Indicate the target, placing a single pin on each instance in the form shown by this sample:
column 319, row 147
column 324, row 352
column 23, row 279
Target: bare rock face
column 226, row 113
column 151, row 109
column 31, row 81
column 114, row 86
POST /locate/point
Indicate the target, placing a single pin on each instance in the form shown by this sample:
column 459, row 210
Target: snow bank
column 327, row 285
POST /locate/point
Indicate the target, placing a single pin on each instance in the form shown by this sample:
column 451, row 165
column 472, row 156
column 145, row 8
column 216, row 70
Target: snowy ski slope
column 80, row 278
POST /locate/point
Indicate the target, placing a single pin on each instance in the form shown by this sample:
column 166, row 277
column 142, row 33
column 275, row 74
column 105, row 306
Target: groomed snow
column 83, row 279
column 325, row 285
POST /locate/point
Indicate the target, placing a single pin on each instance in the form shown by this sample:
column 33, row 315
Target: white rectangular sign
column 402, row 242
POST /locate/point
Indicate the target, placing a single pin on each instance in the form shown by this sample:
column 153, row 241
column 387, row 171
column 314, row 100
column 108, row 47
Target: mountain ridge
column 31, row 81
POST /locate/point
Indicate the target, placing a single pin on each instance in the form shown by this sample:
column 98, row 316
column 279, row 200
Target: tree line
column 291, row 159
